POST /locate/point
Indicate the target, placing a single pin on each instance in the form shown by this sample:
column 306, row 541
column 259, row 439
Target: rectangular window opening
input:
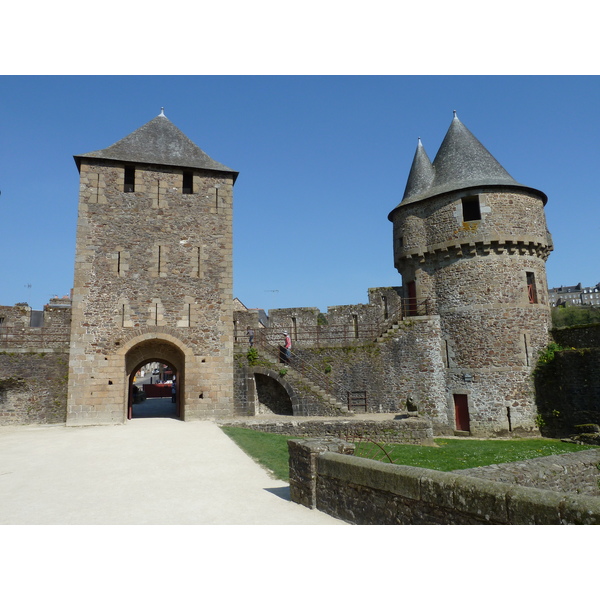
column 188, row 183
column 129, row 180
column 531, row 288
column 471, row 208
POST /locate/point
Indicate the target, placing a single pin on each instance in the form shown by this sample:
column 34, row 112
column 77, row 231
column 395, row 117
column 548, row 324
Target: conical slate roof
column 159, row 142
column 462, row 162
column 421, row 173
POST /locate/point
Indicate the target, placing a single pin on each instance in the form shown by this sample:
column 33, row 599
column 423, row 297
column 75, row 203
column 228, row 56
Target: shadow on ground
column 155, row 407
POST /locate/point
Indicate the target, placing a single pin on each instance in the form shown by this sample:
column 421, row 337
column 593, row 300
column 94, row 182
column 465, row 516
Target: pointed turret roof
column 462, row 162
column 158, row 142
column 421, row 173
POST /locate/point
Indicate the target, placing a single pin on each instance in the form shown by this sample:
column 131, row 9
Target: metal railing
column 358, row 400
column 263, row 339
column 347, row 332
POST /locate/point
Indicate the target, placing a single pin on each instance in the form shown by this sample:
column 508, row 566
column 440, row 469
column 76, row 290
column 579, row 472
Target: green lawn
column 270, row 451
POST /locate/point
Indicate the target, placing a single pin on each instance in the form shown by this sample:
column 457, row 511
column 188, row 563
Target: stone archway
column 162, row 351
column 272, row 397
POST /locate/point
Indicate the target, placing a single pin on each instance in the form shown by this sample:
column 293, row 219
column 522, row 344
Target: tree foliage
column 568, row 316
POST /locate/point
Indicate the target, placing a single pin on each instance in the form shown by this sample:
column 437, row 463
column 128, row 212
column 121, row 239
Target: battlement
column 23, row 329
column 351, row 324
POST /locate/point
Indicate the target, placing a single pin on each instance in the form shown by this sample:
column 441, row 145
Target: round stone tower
column 472, row 243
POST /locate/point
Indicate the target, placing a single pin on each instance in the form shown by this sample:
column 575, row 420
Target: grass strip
column 271, row 452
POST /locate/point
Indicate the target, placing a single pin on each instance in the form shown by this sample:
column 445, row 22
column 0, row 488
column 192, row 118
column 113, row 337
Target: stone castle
column 456, row 343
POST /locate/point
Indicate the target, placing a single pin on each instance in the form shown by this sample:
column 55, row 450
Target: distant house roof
column 567, row 289
column 158, row 142
column 462, row 162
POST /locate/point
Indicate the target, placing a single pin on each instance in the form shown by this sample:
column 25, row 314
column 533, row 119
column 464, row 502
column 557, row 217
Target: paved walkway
column 150, row 471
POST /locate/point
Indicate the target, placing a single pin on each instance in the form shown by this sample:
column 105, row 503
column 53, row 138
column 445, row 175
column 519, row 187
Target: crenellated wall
column 25, row 330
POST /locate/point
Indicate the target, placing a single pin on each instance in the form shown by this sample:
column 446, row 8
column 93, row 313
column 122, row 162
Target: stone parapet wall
column 52, row 335
column 367, row 492
column 33, row 388
column 575, row 472
column 402, row 431
column 507, row 218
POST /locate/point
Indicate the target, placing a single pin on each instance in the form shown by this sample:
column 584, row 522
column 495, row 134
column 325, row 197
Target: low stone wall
column 367, row 492
column 402, row 431
column 33, row 388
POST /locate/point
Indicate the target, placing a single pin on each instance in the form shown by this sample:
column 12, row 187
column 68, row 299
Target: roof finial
column 455, row 114
column 162, row 112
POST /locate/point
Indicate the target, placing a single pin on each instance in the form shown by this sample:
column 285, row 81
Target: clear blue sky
column 322, row 161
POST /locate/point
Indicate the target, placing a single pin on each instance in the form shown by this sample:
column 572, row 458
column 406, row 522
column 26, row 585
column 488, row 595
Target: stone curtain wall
column 580, row 336
column 33, row 388
column 568, row 391
column 408, row 364
column 401, row 431
column 575, row 472
column 366, row 492
column 17, row 335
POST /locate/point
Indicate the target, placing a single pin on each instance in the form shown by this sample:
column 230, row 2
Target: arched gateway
column 157, row 350
column 153, row 275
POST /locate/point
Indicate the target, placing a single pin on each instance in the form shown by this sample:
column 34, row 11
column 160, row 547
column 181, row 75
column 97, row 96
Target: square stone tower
column 153, row 276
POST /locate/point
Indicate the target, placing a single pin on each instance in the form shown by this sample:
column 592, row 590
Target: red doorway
column 461, row 412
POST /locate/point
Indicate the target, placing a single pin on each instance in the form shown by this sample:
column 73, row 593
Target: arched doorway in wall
column 158, row 393
column 272, row 397
column 153, row 391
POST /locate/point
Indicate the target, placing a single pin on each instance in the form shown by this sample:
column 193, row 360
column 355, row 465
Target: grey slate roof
column 158, row 142
column 462, row 162
column 421, row 173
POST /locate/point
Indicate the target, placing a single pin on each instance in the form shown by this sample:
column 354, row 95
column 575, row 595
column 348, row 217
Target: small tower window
column 531, row 288
column 471, row 208
column 188, row 183
column 129, row 180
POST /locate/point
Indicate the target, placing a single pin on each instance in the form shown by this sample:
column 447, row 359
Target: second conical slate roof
column 461, row 162
column 421, row 173
column 162, row 143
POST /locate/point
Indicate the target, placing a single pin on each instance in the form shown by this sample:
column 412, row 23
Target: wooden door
column 461, row 412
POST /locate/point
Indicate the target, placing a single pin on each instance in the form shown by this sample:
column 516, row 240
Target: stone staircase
column 302, row 383
column 389, row 333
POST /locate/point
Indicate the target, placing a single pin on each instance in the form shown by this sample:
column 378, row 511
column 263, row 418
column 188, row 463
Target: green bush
column 569, row 316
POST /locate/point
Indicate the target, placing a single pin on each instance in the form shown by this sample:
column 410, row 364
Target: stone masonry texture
column 153, row 281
